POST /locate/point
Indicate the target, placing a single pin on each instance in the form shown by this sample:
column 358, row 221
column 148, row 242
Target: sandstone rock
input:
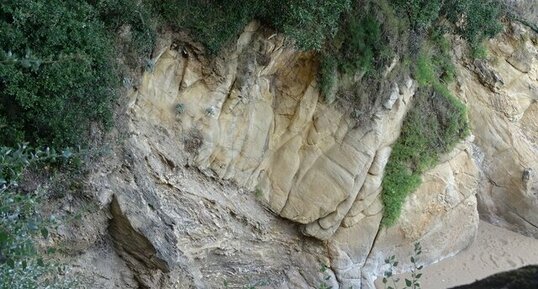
column 504, row 124
column 253, row 120
column 441, row 215
column 264, row 126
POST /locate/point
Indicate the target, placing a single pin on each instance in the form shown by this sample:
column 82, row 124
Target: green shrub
column 213, row 23
column 436, row 122
column 422, row 13
column 327, row 76
column 474, row 20
column 23, row 262
column 361, row 44
column 56, row 71
column 216, row 23
column 137, row 14
column 424, row 71
column 442, row 59
column 391, row 282
column 308, row 22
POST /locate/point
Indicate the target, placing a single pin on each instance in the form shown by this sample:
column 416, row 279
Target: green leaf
column 419, row 275
column 3, row 237
column 395, row 264
column 44, row 233
column 408, row 283
column 412, row 259
column 390, row 287
column 385, row 280
column 420, row 267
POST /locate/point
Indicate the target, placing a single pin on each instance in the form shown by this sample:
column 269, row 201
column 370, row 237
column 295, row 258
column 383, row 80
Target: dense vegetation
column 216, row 23
column 23, row 229
column 437, row 120
column 58, row 75
column 56, row 72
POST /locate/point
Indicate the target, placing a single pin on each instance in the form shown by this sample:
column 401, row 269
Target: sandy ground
column 495, row 250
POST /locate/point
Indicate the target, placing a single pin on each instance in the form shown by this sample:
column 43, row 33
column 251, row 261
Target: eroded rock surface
column 219, row 154
column 502, row 96
column 441, row 215
column 263, row 125
column 227, row 164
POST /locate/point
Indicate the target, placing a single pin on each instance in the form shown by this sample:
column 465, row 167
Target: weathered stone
column 441, row 215
column 253, row 120
column 505, row 127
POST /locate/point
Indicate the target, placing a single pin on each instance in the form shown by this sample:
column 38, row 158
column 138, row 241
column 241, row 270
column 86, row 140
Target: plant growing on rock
column 391, row 282
column 326, row 277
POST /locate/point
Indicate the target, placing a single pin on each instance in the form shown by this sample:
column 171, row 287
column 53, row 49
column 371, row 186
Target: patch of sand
column 494, row 250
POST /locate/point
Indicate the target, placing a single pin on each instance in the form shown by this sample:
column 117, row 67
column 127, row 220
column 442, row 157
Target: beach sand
column 494, row 250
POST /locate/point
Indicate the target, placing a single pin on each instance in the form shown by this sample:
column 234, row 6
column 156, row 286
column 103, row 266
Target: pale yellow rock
column 441, row 215
column 505, row 125
column 263, row 125
column 254, row 116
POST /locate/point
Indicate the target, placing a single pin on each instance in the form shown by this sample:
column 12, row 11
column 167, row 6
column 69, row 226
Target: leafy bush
column 22, row 259
column 365, row 42
column 433, row 126
column 474, row 20
column 390, row 282
column 361, row 43
column 422, row 13
column 56, row 71
column 213, row 23
column 442, row 59
column 216, row 23
column 308, row 22
column 425, row 72
column 138, row 15
column 327, row 76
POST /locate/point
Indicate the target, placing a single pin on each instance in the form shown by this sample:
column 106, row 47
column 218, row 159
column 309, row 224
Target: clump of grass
column 424, row 70
column 363, row 44
column 327, row 76
column 434, row 125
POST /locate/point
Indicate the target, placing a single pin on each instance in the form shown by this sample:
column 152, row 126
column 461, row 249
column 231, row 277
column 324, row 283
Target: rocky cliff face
column 235, row 170
column 502, row 96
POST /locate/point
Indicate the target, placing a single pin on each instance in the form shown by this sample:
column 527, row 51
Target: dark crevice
column 127, row 240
